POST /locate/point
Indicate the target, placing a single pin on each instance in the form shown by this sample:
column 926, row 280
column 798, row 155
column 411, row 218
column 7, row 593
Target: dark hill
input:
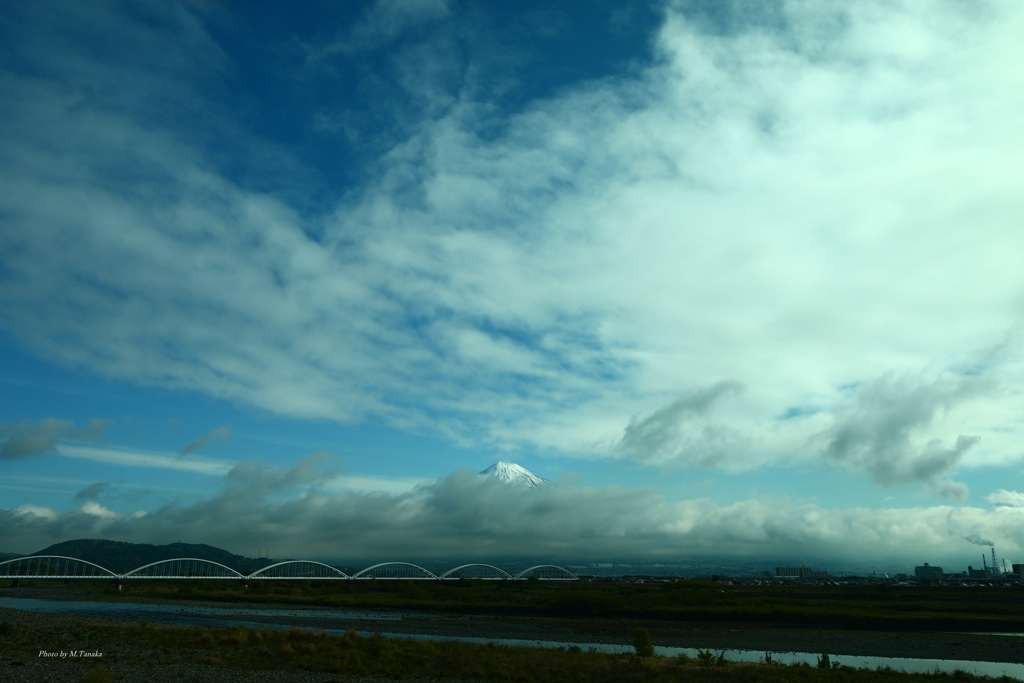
column 123, row 557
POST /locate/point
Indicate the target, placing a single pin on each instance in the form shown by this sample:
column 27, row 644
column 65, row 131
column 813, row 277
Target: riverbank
column 717, row 637
column 704, row 636
column 39, row 646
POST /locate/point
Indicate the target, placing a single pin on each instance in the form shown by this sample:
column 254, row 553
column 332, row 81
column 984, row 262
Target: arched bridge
column 59, row 567
column 299, row 569
column 183, row 568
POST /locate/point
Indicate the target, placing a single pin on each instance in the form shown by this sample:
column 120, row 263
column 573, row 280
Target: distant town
column 990, row 571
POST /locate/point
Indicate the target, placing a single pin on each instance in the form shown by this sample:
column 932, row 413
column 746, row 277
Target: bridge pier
column 14, row 583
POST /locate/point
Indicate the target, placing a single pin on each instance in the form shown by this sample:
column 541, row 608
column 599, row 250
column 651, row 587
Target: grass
column 867, row 607
column 351, row 654
column 886, row 608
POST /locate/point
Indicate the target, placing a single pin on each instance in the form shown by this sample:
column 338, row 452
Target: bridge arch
column 183, row 568
column 395, row 570
column 496, row 573
column 548, row 572
column 53, row 567
column 299, row 569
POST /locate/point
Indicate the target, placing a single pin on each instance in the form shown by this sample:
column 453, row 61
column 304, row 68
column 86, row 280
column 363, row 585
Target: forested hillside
column 123, row 557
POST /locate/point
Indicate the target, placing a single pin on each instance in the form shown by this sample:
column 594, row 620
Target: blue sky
column 742, row 278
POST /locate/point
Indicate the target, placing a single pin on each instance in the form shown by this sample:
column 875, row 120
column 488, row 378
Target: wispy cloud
column 372, row 484
column 782, row 205
column 386, row 19
column 218, row 435
column 136, row 458
column 682, row 432
column 92, row 491
column 878, row 431
column 30, row 439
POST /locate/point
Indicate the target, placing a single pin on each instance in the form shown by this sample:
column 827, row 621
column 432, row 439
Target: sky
column 741, row 278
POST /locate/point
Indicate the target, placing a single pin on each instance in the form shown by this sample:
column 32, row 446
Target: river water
column 195, row 615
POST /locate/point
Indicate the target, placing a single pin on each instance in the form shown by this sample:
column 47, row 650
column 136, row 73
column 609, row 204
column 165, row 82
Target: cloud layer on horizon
column 296, row 512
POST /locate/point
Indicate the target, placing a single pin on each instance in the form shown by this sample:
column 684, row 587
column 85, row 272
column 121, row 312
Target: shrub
column 642, row 643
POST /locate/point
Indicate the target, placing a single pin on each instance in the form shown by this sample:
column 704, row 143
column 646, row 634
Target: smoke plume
column 978, row 539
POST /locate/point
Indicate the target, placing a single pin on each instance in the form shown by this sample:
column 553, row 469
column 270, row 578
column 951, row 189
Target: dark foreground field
column 918, row 623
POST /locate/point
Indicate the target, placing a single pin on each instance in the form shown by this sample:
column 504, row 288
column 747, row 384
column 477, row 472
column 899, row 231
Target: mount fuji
column 514, row 475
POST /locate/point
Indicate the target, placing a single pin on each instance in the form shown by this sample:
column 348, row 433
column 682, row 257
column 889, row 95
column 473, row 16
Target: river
column 313, row 619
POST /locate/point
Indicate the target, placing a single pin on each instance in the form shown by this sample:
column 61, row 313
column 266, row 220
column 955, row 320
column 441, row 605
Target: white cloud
column 34, row 512
column 794, row 208
column 371, row 484
column 96, row 510
column 1004, row 498
column 478, row 518
column 136, row 458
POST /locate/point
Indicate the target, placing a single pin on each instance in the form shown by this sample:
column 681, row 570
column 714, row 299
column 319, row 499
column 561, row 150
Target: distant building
column 1018, row 570
column 928, row 573
column 801, row 573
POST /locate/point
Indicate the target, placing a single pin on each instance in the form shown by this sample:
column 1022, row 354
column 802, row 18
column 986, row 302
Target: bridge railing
column 487, row 572
column 53, row 567
column 299, row 569
column 184, row 568
column 60, row 567
column 395, row 571
column 547, row 572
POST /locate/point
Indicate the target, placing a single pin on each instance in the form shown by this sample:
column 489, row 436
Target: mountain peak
column 515, row 475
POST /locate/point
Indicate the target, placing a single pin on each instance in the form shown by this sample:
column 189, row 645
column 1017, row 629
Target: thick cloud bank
column 301, row 513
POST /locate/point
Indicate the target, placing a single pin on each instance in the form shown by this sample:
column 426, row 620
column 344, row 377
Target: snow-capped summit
column 513, row 474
